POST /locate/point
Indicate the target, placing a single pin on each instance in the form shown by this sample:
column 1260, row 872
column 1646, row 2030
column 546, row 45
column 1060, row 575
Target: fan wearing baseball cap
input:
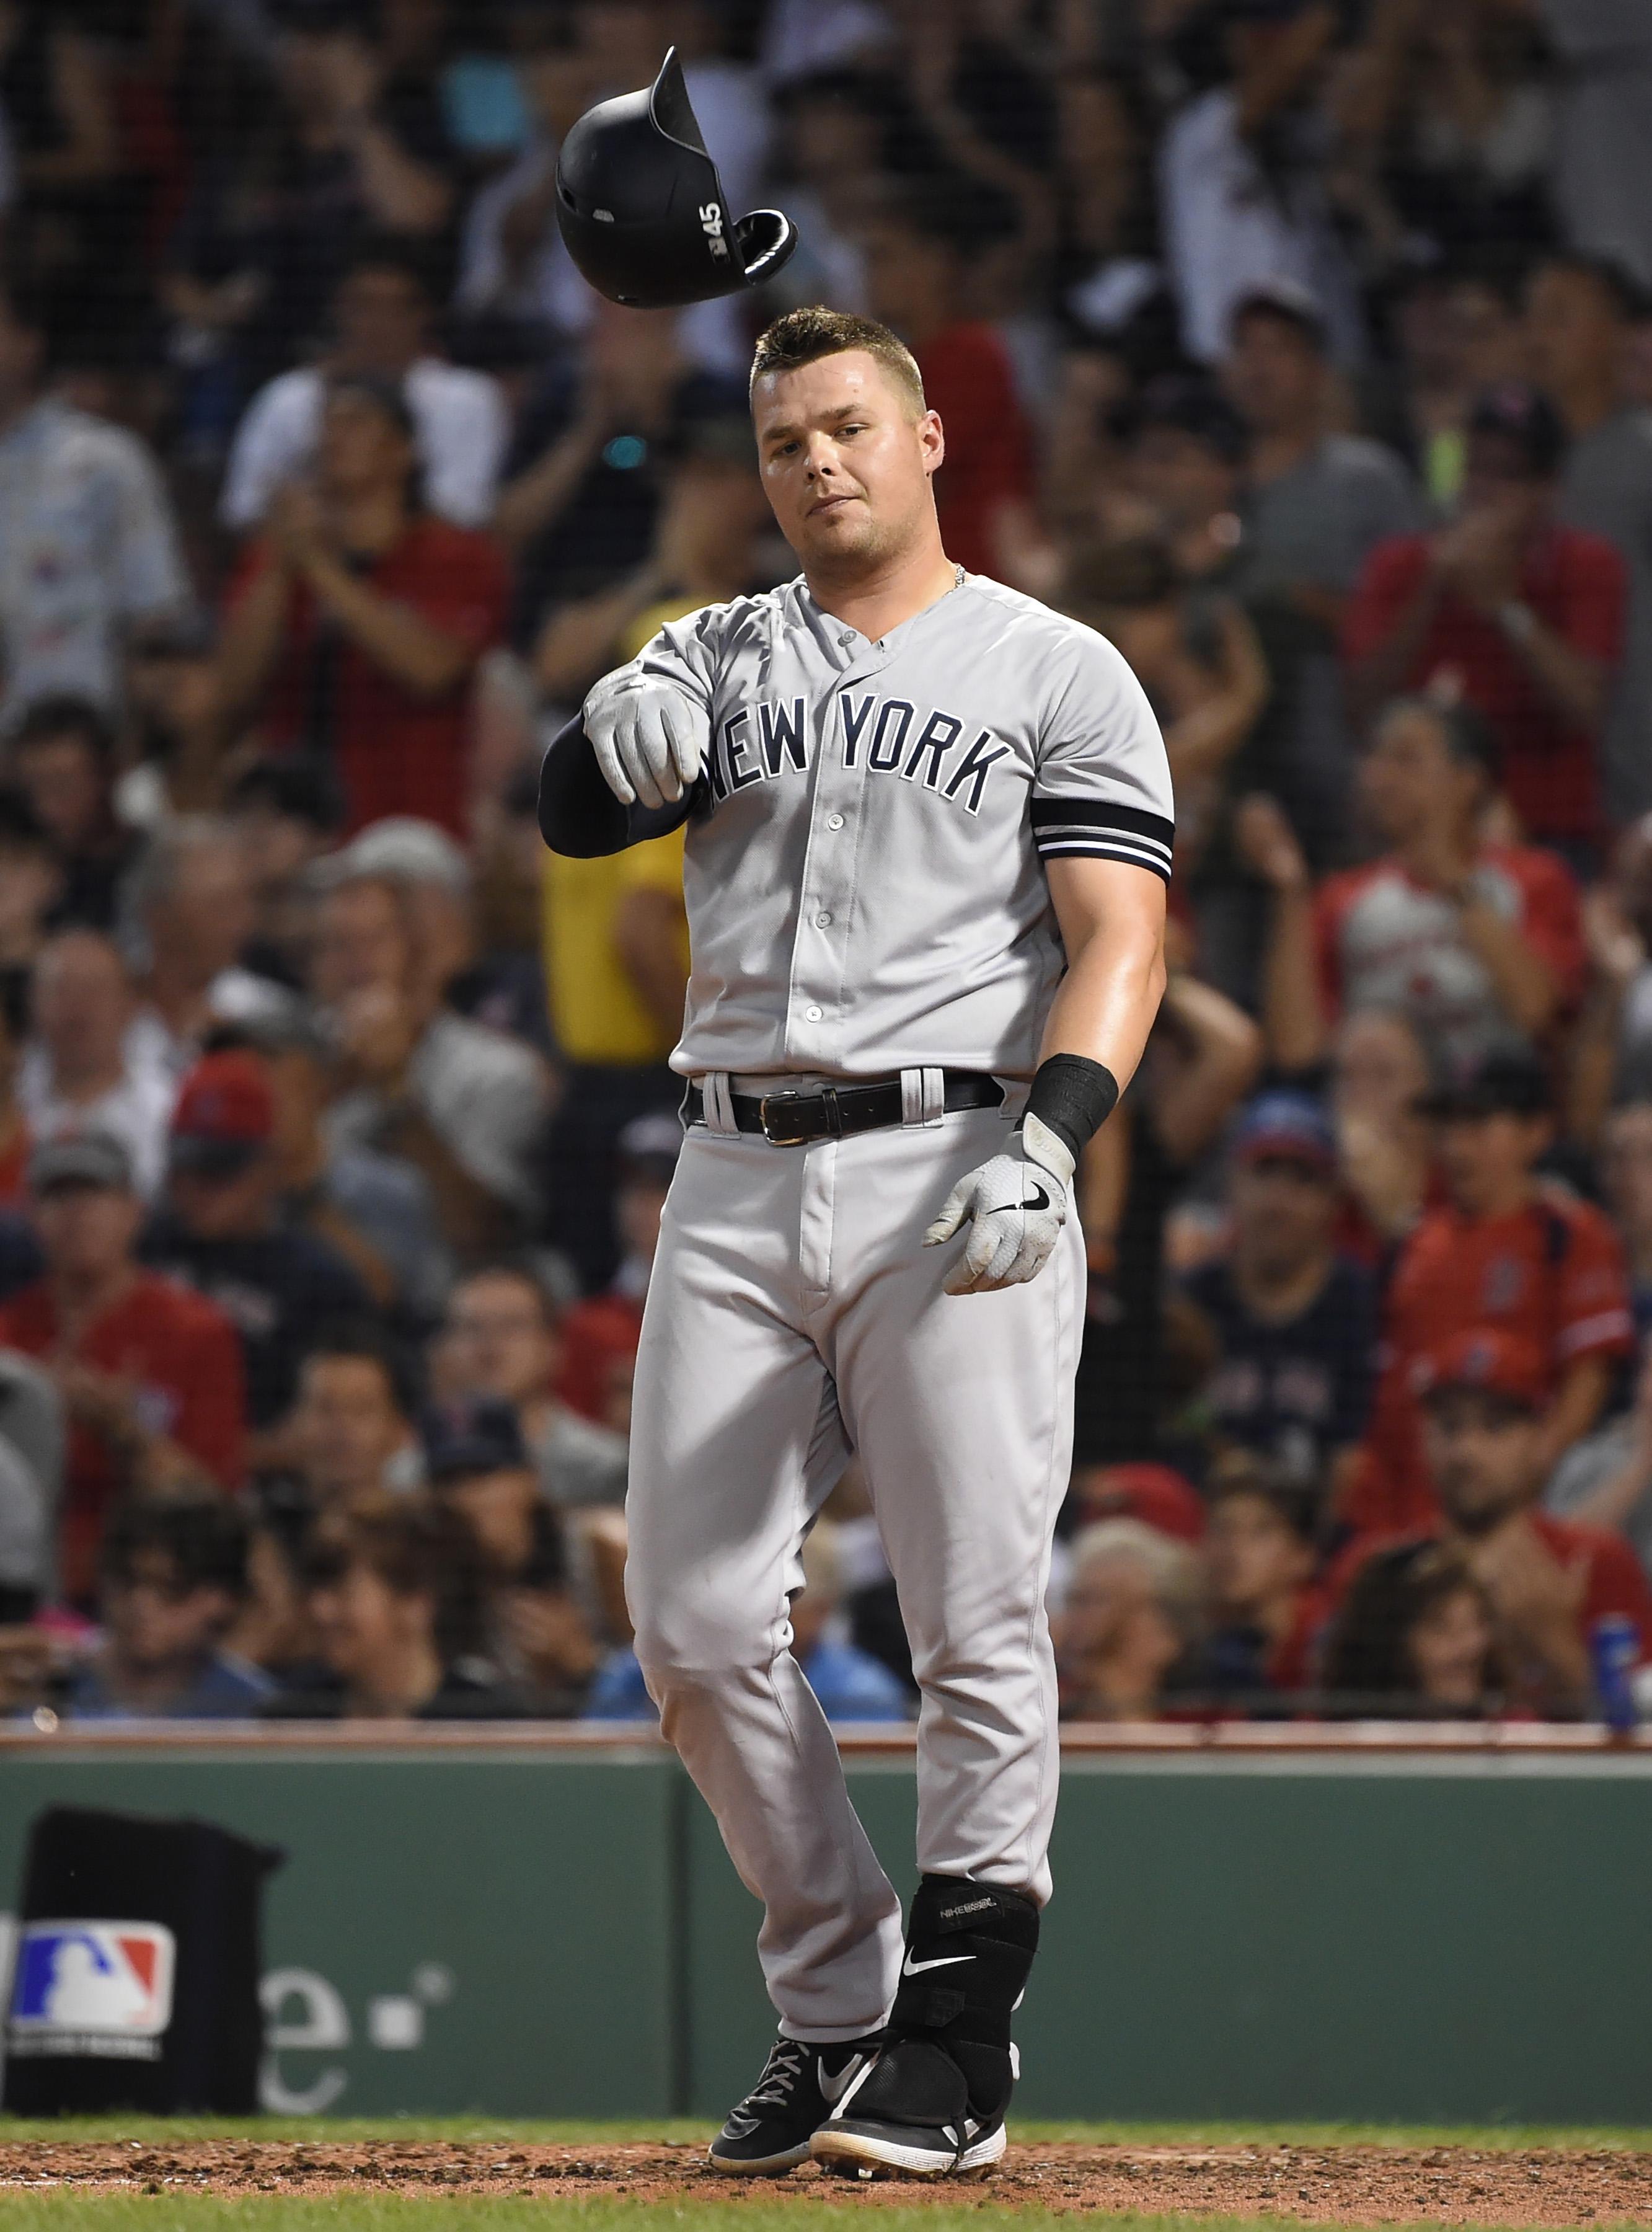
column 1295, row 1320
column 1483, row 1396
column 1508, row 1253
column 150, row 1374
column 1524, row 617
column 220, row 1232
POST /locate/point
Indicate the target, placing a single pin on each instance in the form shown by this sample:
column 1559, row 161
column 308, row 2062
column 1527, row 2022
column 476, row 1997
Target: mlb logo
column 95, row 1979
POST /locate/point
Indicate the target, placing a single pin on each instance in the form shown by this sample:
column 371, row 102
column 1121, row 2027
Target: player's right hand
column 650, row 739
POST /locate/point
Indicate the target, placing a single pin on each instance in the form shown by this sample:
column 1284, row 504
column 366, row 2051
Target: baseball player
column 928, row 830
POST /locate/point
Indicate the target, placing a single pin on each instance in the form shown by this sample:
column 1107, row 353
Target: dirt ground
column 1341, row 2185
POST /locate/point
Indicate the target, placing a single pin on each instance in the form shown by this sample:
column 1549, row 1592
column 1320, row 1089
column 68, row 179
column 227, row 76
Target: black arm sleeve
column 580, row 816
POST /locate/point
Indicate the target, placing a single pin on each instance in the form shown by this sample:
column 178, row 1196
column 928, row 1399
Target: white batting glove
column 649, row 738
column 1015, row 1206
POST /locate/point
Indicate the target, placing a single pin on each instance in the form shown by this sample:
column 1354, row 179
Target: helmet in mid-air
column 641, row 210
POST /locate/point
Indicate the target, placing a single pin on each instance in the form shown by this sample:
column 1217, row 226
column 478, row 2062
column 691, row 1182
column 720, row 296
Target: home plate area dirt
column 1339, row 2185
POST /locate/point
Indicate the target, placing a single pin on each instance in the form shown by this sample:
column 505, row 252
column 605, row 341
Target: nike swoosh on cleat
column 911, row 1968
column 834, row 2088
column 1004, row 1207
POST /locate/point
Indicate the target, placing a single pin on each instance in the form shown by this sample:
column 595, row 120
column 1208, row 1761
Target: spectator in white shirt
column 1241, row 192
column 82, row 1067
column 381, row 317
column 87, row 546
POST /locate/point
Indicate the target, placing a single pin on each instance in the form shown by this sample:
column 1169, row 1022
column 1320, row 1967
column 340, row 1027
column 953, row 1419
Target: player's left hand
column 1015, row 1206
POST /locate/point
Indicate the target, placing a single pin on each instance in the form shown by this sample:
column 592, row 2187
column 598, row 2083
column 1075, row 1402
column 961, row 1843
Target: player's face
column 846, row 461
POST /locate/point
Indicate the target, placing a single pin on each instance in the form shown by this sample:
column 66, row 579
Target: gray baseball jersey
column 865, row 894
column 862, row 870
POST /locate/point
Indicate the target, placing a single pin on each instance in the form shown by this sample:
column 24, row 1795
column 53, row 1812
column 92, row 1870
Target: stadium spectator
column 1483, row 1396
column 1315, row 505
column 1184, row 452
column 1579, row 314
column 374, row 1210
column 1130, row 1619
column 1416, row 1638
column 1519, row 617
column 91, row 547
column 599, row 1334
column 499, row 1339
column 1198, row 658
column 1262, row 1610
column 1606, row 1480
column 381, row 317
column 918, row 250
column 349, row 1437
column 356, row 620
column 287, row 813
column 173, row 1578
column 585, row 477
column 395, row 1592
column 851, row 1685
column 1480, row 944
column 30, row 883
column 537, row 1635
column 84, row 1064
column 32, row 1430
column 1294, row 1320
column 150, row 1374
column 705, row 550
column 1385, row 1143
column 465, row 1104
column 512, row 261
column 189, row 902
column 1201, row 1062
column 1508, row 1253
column 220, row 1231
column 1242, row 185
column 62, row 756
column 1626, row 1175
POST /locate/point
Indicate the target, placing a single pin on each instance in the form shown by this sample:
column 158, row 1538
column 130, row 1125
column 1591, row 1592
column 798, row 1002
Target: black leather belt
column 838, row 1112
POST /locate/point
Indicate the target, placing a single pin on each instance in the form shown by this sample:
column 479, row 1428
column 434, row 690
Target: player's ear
column 931, row 440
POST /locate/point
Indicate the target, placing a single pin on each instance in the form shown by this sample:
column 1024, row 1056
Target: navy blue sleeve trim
column 1097, row 829
column 578, row 815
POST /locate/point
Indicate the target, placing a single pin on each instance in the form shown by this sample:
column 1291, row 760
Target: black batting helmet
column 642, row 208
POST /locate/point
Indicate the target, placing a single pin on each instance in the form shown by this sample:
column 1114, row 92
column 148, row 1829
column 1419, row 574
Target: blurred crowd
column 1303, row 347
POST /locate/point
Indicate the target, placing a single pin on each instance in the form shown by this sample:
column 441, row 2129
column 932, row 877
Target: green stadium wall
column 1395, row 1936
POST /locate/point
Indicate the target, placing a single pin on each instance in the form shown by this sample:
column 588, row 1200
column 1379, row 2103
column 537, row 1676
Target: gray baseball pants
column 793, row 1315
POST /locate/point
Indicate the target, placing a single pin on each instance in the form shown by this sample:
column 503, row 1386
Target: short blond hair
column 805, row 336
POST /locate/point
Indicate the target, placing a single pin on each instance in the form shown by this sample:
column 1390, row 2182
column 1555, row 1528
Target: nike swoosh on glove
column 650, row 738
column 1015, row 1205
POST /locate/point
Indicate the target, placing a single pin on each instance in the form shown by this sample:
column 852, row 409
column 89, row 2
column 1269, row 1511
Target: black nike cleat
column 931, row 2100
column 768, row 2133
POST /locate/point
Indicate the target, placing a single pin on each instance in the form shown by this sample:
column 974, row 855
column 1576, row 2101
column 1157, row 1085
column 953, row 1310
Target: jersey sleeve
column 1101, row 788
column 1593, row 1315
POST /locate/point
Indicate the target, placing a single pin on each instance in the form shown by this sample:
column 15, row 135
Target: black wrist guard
column 1074, row 1096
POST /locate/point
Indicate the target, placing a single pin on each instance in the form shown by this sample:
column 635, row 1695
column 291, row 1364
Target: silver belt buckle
column 775, row 1102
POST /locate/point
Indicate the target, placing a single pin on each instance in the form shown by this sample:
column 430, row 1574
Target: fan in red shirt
column 1484, row 1398
column 916, row 255
column 599, row 1335
column 1476, row 942
column 150, row 1374
column 1522, row 616
column 1506, row 1255
column 356, row 621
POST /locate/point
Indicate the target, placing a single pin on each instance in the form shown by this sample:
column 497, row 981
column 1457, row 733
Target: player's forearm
column 1108, row 997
